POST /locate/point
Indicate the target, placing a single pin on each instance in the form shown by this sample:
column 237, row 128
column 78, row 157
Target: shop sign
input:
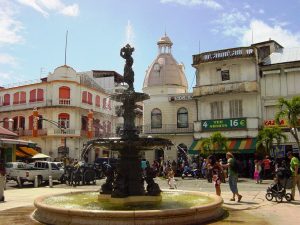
column 271, row 123
column 180, row 98
column 224, row 124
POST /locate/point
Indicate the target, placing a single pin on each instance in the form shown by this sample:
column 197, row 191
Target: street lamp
column 61, row 127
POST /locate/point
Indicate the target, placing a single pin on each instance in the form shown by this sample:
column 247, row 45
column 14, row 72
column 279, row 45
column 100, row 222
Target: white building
column 280, row 77
column 170, row 111
column 63, row 98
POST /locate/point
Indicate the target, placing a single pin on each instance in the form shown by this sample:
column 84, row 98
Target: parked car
column 60, row 165
column 9, row 166
column 41, row 169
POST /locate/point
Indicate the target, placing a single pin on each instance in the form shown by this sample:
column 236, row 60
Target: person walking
column 257, row 170
column 295, row 169
column 232, row 176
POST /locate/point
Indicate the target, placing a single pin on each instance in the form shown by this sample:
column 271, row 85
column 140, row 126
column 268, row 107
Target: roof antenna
column 66, row 45
column 199, row 46
column 252, row 35
column 165, row 31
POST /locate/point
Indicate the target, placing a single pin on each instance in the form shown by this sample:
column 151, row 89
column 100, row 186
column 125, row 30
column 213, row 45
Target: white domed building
column 170, row 111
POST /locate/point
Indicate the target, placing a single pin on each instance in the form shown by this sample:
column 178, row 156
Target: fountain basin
column 194, row 214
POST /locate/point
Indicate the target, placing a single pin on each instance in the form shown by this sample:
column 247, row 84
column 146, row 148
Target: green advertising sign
column 224, row 124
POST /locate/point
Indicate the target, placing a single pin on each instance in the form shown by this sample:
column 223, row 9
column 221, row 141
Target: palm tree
column 267, row 136
column 290, row 110
column 215, row 142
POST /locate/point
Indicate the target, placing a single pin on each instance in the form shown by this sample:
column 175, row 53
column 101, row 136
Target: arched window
column 36, row 95
column 19, row 122
column 19, row 97
column 182, row 118
column 84, row 97
column 97, row 101
column 6, row 99
column 156, row 118
column 64, row 120
column 64, row 95
column 96, row 125
column 90, row 98
column 84, row 123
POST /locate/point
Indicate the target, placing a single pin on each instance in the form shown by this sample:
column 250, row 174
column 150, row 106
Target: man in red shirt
column 267, row 167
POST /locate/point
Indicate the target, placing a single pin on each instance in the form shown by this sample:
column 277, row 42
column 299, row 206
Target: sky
column 33, row 32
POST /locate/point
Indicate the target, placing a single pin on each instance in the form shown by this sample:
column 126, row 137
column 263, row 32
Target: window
column 64, row 92
column 97, row 101
column 64, row 120
column 84, row 97
column 156, row 118
column 235, row 108
column 182, row 118
column 84, row 123
column 225, row 75
column 19, row 122
column 36, row 95
column 19, row 97
column 6, row 99
column 90, row 98
column 216, row 109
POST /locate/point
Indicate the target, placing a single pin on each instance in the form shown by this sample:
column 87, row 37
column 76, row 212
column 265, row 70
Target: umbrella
column 40, row 156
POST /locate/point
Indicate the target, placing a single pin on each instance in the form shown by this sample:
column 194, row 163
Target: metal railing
column 64, row 131
column 223, row 54
column 168, row 129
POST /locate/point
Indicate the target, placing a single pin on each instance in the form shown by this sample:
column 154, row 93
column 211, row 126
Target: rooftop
column 283, row 56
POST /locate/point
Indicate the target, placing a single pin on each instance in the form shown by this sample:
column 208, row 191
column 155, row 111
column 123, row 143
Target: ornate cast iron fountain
column 128, row 179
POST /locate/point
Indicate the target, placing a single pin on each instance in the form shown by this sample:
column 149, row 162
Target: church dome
column 165, row 70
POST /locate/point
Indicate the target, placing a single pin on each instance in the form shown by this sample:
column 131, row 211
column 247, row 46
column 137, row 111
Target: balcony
column 63, row 101
column 236, row 87
column 219, row 55
column 97, row 134
column 26, row 132
column 168, row 129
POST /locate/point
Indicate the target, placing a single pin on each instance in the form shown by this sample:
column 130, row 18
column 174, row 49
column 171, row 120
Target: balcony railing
column 66, row 131
column 97, row 134
column 236, row 87
column 168, row 129
column 26, row 132
column 223, row 54
column 64, row 101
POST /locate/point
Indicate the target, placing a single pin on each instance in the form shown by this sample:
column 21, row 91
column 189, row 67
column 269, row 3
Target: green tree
column 216, row 142
column 267, row 136
column 290, row 110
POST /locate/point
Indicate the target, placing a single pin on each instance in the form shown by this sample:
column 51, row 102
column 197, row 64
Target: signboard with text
column 224, row 124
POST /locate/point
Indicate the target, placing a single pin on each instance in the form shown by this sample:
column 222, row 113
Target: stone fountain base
column 194, row 215
column 131, row 200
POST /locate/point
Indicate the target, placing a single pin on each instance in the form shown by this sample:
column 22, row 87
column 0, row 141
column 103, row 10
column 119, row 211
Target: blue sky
column 32, row 32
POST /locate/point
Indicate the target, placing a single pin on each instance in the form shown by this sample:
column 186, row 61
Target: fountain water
column 123, row 198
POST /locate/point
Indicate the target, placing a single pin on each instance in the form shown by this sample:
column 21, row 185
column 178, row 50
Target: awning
column 242, row 145
column 29, row 151
column 16, row 142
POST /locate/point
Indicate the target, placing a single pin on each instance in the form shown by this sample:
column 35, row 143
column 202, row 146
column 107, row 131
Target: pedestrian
column 171, row 179
column 267, row 167
column 232, row 176
column 257, row 170
column 295, row 169
column 215, row 168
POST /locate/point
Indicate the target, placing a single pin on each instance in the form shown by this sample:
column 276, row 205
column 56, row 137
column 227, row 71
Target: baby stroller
column 282, row 182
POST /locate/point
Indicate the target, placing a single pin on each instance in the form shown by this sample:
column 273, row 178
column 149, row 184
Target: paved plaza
column 253, row 209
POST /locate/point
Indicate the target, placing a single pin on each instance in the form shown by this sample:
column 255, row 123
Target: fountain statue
column 123, row 198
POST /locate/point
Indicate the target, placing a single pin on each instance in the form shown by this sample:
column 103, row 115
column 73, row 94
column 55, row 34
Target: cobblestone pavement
column 253, row 209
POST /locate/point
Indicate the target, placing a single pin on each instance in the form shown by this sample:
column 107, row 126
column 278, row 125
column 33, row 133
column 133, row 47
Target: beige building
column 228, row 97
column 280, row 77
column 170, row 111
column 63, row 98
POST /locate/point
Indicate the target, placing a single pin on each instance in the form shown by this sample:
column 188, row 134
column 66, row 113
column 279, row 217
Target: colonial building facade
column 63, row 100
column 170, row 111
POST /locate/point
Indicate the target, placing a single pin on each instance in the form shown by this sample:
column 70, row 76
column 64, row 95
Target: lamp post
column 62, row 129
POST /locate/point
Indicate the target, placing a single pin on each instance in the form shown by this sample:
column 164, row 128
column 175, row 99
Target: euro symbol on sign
column 242, row 122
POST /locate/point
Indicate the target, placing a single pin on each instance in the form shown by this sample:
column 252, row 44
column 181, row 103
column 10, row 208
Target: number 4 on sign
column 205, row 124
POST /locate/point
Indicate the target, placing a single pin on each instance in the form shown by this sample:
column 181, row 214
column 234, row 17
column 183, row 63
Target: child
column 171, row 179
column 257, row 170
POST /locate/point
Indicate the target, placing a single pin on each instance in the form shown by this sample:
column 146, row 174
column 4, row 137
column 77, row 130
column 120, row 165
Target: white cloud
column 261, row 11
column 10, row 27
column 208, row 3
column 263, row 32
column 5, row 76
column 46, row 6
column 8, row 59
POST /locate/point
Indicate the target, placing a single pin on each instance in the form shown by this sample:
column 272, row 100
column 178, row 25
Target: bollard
column 36, row 181
column 50, row 181
column 19, row 181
